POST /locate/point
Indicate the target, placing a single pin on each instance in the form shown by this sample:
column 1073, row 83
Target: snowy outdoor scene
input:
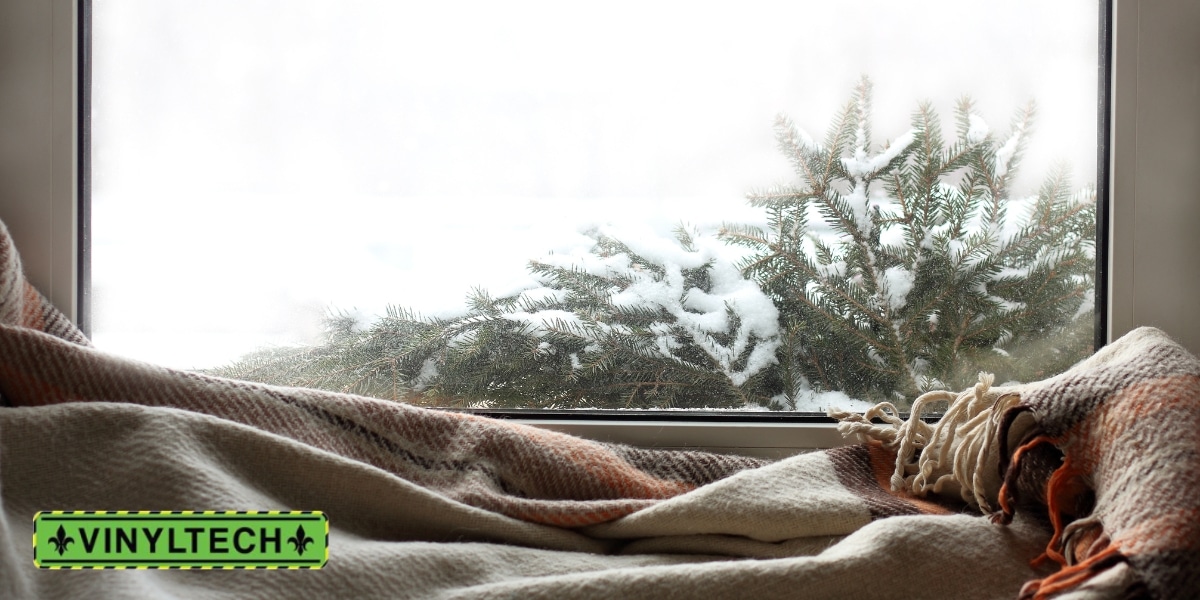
column 628, row 205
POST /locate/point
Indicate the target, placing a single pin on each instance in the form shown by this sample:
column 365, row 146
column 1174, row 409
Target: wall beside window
column 1155, row 211
column 38, row 142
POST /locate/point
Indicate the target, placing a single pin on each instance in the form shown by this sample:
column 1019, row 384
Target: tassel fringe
column 954, row 454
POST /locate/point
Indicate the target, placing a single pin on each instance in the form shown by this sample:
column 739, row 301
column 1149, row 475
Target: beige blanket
column 430, row 504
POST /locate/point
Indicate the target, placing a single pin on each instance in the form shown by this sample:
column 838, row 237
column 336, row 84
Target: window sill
column 760, row 440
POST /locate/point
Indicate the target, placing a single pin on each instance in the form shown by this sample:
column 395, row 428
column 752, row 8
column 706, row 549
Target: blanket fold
column 1127, row 421
column 1091, row 478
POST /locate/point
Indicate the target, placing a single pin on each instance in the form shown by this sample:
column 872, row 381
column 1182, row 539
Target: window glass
column 749, row 206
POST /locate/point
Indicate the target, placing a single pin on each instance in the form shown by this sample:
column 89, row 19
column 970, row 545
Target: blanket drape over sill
column 431, row 504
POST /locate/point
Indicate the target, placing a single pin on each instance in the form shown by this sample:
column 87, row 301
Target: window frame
column 46, row 207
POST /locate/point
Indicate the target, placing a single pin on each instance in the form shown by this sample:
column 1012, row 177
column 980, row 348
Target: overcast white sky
column 256, row 163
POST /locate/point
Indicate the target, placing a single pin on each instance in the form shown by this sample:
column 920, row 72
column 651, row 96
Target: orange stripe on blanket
column 1064, row 488
column 1071, row 576
column 883, row 464
column 1140, row 405
column 1177, row 392
column 602, row 466
column 1172, row 530
column 1006, row 507
column 23, row 389
column 32, row 315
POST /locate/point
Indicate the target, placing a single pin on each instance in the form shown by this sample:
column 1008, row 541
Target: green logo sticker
column 180, row 539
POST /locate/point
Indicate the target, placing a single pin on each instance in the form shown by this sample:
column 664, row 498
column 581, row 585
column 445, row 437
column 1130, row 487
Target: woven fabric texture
column 1088, row 487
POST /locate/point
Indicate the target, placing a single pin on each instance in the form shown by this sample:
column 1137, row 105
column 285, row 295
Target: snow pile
column 863, row 165
column 977, row 128
column 732, row 308
column 428, row 374
column 898, row 282
column 893, row 237
column 808, row 400
column 1006, row 152
column 806, row 140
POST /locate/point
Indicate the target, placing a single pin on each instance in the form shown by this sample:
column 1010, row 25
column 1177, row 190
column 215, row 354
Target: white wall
column 1155, row 257
column 37, row 141
column 1155, row 252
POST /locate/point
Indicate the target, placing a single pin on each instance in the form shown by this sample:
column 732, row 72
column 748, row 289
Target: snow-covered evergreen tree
column 657, row 325
column 885, row 271
column 910, row 266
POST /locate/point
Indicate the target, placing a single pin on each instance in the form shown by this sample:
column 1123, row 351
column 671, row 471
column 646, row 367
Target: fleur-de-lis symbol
column 300, row 541
column 61, row 540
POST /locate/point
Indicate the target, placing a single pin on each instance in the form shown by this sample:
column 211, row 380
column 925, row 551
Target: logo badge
column 180, row 539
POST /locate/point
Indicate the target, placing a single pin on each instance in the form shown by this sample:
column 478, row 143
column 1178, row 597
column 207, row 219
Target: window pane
column 765, row 205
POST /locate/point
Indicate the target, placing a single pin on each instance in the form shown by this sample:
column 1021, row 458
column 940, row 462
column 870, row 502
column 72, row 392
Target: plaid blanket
column 1090, row 480
column 1127, row 488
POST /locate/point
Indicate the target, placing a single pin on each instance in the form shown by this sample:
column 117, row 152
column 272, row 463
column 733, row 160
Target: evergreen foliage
column 626, row 331
column 883, row 272
column 911, row 267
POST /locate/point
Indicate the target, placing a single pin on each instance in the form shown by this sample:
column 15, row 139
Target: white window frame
column 1152, row 278
column 38, row 150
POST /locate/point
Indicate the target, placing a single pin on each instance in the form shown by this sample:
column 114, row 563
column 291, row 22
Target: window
column 340, row 178
column 1122, row 315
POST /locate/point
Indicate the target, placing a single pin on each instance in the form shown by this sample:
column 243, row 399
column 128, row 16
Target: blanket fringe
column 954, row 453
column 1010, row 470
column 1072, row 576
